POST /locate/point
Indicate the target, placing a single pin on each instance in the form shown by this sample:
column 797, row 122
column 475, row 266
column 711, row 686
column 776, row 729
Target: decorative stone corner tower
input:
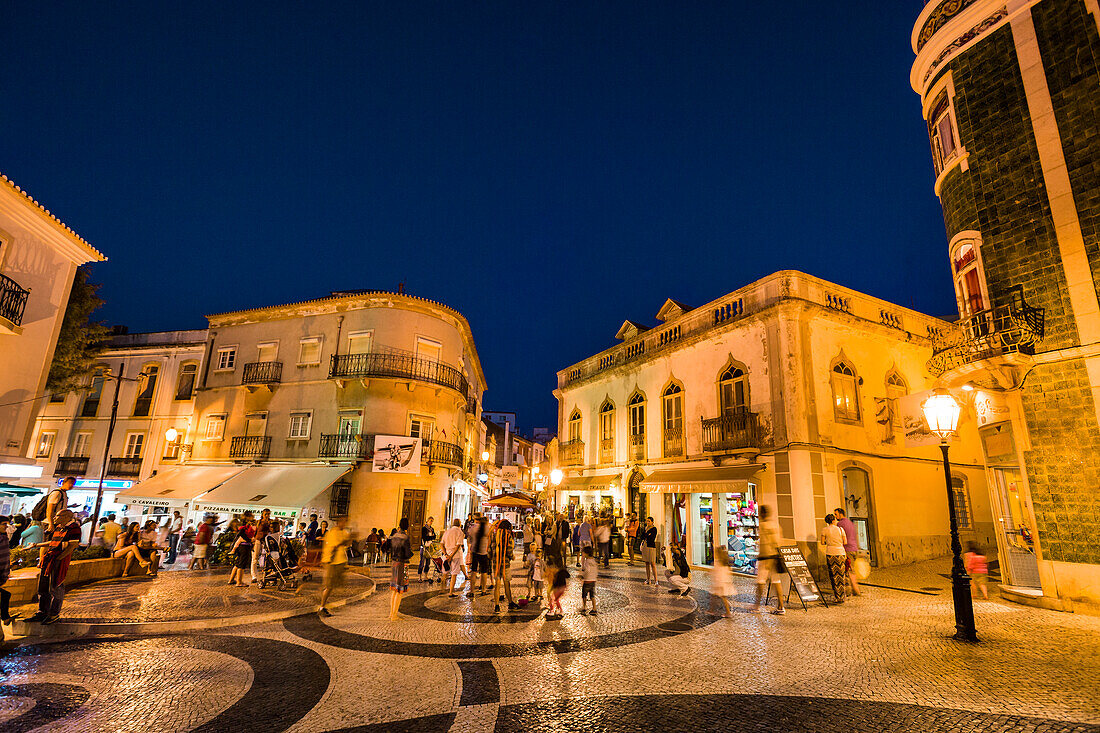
column 1011, row 96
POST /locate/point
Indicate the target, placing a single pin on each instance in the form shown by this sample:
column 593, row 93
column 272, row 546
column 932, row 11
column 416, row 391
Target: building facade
column 299, row 393
column 153, row 377
column 1011, row 95
column 790, row 392
column 38, row 260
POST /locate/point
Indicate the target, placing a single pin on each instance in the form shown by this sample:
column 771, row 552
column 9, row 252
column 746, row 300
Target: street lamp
column 941, row 410
column 171, row 434
column 555, row 476
column 484, row 455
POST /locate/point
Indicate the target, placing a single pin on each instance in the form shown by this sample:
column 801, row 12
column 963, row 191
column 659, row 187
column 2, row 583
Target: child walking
column 534, row 574
column 559, row 579
column 977, row 567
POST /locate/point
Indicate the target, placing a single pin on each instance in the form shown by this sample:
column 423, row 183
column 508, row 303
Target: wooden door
column 413, row 504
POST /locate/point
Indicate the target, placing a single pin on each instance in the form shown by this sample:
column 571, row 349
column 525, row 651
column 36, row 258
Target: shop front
column 464, row 499
column 174, row 489
column 711, row 509
column 593, row 495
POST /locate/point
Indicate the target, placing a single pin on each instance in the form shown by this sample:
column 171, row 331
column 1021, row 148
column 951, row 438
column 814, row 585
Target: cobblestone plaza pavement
column 649, row 661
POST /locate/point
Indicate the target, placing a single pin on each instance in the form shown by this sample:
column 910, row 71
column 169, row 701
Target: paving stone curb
column 19, row 636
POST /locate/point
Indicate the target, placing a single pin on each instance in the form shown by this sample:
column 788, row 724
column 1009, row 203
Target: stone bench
column 23, row 583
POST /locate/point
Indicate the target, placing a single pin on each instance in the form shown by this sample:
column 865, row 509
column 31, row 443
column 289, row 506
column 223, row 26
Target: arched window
column 941, row 130
column 575, row 426
column 607, row 432
column 637, row 426
column 147, row 387
column 895, row 390
column 845, row 392
column 673, row 411
column 733, row 390
column 966, row 268
column 185, row 385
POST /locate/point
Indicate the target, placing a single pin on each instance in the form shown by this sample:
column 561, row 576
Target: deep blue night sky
column 548, row 169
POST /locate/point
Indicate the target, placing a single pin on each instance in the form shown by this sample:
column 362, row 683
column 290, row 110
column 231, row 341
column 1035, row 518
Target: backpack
column 38, row 514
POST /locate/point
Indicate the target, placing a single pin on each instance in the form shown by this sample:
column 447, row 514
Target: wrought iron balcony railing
column 262, row 372
column 673, row 442
column 250, row 446
column 571, row 453
column 126, row 467
column 740, row 429
column 348, row 447
column 441, row 452
column 637, row 447
column 1010, row 328
column 13, row 300
column 71, row 466
column 400, row 366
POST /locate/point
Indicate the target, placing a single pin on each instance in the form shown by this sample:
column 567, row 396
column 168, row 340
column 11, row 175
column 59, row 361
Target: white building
column 38, row 260
column 153, row 376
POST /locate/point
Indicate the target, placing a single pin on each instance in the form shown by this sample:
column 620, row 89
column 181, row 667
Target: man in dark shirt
column 55, row 565
column 311, row 532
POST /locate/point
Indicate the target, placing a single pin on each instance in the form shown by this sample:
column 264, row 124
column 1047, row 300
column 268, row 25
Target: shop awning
column 7, row 489
column 176, row 486
column 517, row 500
column 587, row 483
column 273, row 487
column 712, row 479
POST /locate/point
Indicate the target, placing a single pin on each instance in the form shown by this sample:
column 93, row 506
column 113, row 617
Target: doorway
column 639, row 500
column 414, row 502
column 1018, row 562
column 856, row 484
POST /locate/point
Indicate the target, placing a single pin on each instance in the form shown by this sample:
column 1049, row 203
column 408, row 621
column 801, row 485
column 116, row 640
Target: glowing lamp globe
column 555, row 476
column 171, row 434
column 484, row 455
column 941, row 410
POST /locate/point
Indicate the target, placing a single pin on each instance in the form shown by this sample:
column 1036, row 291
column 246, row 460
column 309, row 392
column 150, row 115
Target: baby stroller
column 280, row 564
column 435, row 568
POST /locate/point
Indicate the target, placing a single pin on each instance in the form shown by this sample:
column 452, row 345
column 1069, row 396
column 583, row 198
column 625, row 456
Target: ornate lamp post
column 941, row 410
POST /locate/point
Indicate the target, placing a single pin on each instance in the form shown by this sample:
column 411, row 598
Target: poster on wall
column 396, row 454
column 914, row 424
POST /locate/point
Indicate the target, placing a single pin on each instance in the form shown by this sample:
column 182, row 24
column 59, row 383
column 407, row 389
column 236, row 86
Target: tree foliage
column 81, row 339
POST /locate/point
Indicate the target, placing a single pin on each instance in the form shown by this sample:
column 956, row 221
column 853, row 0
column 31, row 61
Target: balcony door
column 428, row 350
column 80, row 445
column 267, row 352
column 256, row 425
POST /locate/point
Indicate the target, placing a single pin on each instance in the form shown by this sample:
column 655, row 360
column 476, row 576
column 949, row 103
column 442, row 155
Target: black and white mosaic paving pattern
column 650, row 661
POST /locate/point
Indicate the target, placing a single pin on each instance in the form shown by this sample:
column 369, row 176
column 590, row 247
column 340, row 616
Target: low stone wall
column 23, row 584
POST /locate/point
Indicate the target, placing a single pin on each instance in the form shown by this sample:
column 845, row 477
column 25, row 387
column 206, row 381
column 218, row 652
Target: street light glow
column 941, row 410
column 484, row 455
column 171, row 434
column 555, row 476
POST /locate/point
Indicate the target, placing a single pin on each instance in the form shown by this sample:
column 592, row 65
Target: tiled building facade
column 1011, row 95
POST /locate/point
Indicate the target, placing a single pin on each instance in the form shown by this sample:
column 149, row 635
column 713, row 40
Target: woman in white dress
column 721, row 580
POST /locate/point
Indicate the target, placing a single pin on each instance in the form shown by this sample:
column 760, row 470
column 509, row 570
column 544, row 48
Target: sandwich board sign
column 802, row 581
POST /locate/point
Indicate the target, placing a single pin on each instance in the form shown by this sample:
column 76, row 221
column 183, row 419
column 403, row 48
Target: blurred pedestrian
column 833, row 540
column 453, row 560
column 851, row 547
column 721, row 579
column 769, row 561
column 204, row 535
column 589, row 572
column 427, row 537
column 559, row 579
column 603, row 540
column 400, row 554
column 503, row 551
column 334, row 559
column 478, row 539
column 977, row 567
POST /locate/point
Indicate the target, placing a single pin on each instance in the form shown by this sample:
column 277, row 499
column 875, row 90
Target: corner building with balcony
column 1011, row 95
column 790, row 392
column 38, row 260
column 294, row 395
